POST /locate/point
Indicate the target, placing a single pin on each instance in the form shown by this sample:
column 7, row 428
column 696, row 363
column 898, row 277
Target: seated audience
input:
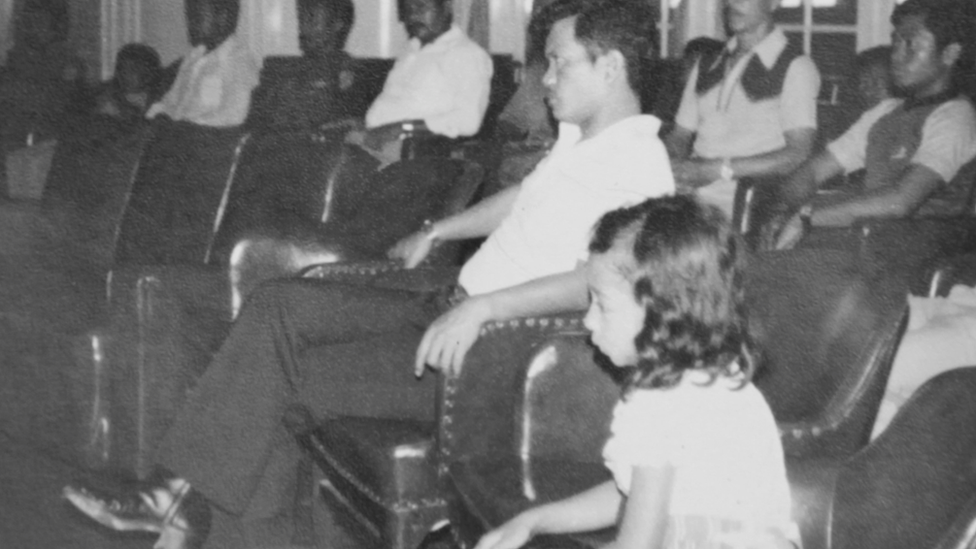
column 333, row 347
column 440, row 84
column 215, row 79
column 694, row 449
column 911, row 147
column 135, row 85
column 750, row 111
column 313, row 93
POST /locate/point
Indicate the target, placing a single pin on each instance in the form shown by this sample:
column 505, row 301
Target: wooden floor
column 36, row 421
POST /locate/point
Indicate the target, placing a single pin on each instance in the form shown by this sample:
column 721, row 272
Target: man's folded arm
column 449, row 338
column 891, row 201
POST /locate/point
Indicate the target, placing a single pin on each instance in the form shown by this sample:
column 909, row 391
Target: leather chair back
column 91, row 174
column 179, row 194
column 827, row 336
column 278, row 186
column 909, row 486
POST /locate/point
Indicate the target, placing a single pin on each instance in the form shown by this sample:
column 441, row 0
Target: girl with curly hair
column 694, row 450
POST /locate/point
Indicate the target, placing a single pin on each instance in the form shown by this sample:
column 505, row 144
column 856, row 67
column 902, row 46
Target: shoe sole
column 97, row 511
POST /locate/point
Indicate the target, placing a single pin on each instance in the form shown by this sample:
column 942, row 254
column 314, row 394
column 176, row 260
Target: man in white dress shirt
column 214, row 83
column 440, row 84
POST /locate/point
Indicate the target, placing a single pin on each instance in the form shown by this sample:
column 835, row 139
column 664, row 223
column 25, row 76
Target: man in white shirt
column 441, row 83
column 214, row 83
column 749, row 111
column 915, row 149
column 340, row 348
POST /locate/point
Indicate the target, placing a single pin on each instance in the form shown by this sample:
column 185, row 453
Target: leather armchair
column 828, row 336
column 914, row 486
column 167, row 321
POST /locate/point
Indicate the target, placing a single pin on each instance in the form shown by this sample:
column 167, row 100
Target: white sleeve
column 948, row 139
column 471, row 73
column 850, row 149
column 798, row 102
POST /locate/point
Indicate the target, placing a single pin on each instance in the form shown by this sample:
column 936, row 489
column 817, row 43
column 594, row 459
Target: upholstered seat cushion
column 494, row 489
column 391, row 460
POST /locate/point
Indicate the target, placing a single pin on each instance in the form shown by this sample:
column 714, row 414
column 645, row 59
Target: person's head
column 873, row 71
column 426, row 20
column 746, row 16
column 210, row 22
column 665, row 280
column 324, row 25
column 594, row 57
column 932, row 38
column 137, row 68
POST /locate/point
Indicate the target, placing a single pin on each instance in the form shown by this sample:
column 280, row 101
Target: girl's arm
column 645, row 517
column 593, row 509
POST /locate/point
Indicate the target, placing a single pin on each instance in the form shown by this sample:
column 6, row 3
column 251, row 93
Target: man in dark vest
column 913, row 148
column 749, row 110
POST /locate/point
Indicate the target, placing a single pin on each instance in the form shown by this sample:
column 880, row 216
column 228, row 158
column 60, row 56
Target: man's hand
column 450, row 337
column 412, row 250
column 511, row 535
column 691, row 174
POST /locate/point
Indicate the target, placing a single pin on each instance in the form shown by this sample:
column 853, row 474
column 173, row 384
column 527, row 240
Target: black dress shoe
column 153, row 508
column 135, row 511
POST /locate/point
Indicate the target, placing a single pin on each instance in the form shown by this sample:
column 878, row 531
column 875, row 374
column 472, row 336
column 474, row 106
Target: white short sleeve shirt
column 548, row 229
column 445, row 83
column 723, row 444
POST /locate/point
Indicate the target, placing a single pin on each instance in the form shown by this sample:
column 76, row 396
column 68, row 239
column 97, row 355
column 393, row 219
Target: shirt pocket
column 211, row 89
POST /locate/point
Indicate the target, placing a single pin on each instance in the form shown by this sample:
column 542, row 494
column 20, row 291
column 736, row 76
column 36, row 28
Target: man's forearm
column 547, row 295
column 478, row 220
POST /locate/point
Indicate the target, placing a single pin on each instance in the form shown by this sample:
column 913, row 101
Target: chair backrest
column 528, row 387
column 907, row 488
column 277, row 186
column 827, row 335
column 90, row 178
column 179, row 193
column 369, row 215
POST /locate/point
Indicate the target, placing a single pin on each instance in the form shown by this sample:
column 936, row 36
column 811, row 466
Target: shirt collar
column 645, row 123
column 768, row 49
column 220, row 51
column 442, row 42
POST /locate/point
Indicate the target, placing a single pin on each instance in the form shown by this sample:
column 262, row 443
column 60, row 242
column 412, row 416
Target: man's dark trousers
column 335, row 348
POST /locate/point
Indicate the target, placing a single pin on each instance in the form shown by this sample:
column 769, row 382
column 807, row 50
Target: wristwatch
column 726, row 172
column 806, row 217
column 427, row 229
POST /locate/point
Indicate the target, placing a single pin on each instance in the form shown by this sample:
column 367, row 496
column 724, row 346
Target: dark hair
column 145, row 59
column 228, row 8
column 686, row 267
column 626, row 26
column 541, row 23
column 342, row 11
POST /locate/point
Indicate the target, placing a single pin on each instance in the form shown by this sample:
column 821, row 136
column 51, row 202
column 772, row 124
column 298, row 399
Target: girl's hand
column 511, row 535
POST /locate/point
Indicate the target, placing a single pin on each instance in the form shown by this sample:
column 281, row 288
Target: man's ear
column 950, row 54
column 614, row 65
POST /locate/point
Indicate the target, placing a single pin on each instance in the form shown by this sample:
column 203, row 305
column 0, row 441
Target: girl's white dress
column 730, row 488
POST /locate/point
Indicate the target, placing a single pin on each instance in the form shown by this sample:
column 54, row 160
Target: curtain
column 269, row 27
column 6, row 28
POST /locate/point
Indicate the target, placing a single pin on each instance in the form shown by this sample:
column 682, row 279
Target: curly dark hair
column 686, row 269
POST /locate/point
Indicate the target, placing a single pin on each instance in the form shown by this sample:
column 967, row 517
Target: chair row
column 175, row 226
column 527, row 417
